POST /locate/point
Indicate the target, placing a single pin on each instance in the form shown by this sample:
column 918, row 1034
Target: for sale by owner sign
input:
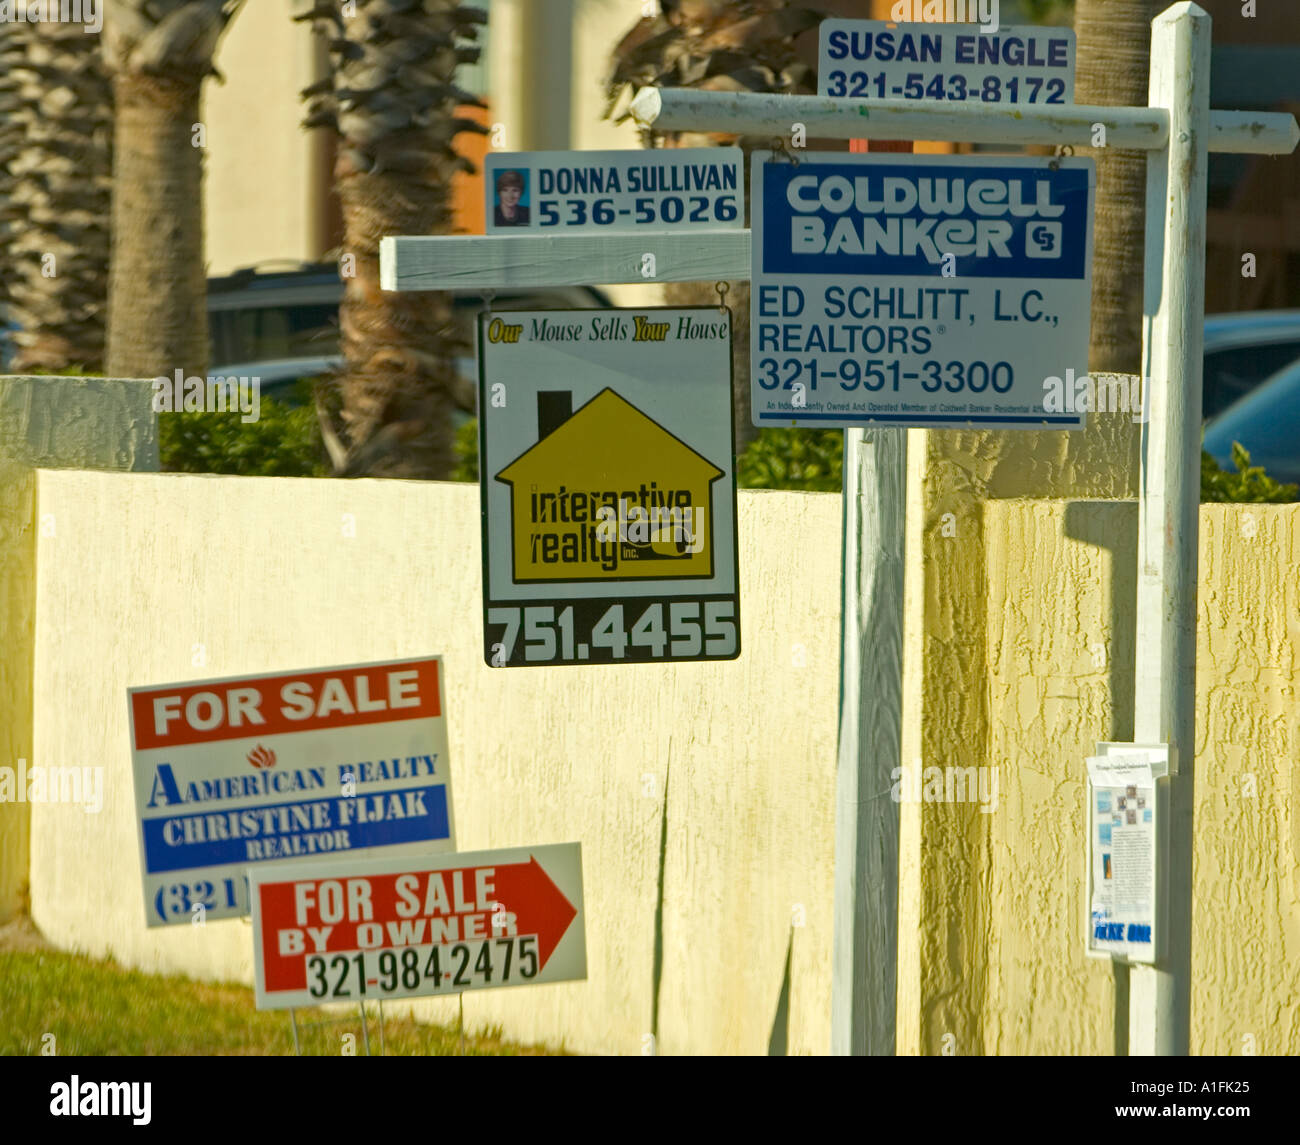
column 346, row 930
column 234, row 772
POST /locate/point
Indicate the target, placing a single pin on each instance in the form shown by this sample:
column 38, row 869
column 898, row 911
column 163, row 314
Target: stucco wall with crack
column 196, row 577
column 1060, row 648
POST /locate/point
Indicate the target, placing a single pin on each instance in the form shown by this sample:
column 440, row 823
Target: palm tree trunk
column 159, row 55
column 11, row 134
column 737, row 300
column 158, row 320
column 392, row 98
column 59, row 166
column 720, row 45
column 1114, row 44
column 397, row 391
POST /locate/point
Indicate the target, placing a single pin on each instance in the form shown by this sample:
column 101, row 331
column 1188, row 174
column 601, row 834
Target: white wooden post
column 499, row 262
column 826, row 117
column 864, row 957
column 1165, row 670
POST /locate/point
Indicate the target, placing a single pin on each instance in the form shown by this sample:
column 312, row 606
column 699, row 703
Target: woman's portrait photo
column 512, row 187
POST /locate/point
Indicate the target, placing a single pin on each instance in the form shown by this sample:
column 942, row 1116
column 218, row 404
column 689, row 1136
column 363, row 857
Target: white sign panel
column 1123, row 838
column 608, row 486
column 234, row 772
column 872, row 59
column 544, row 192
column 920, row 290
column 351, row 930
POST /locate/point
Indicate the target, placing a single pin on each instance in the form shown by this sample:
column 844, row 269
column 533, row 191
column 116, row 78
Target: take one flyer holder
column 1127, row 810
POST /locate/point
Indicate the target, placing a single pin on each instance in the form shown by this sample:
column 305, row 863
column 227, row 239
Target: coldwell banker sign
column 230, row 773
column 920, row 290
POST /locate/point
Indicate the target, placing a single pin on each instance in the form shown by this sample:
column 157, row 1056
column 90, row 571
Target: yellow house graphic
column 608, row 494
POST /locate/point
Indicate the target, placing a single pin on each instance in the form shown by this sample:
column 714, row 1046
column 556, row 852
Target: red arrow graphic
column 529, row 893
column 456, row 903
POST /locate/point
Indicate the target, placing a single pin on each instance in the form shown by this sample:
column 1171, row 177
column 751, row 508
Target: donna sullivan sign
column 608, row 486
column 542, row 192
column 920, row 290
column 340, row 929
column 234, row 772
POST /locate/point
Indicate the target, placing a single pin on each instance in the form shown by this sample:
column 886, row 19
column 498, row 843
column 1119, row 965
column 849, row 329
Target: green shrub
column 1249, row 484
column 466, row 450
column 807, row 459
column 283, row 442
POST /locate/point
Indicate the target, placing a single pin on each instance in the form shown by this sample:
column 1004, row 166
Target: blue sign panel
column 925, row 291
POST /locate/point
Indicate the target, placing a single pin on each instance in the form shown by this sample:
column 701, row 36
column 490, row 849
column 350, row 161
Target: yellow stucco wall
column 17, row 636
column 1019, row 656
column 260, row 574
column 1052, row 612
column 1247, row 891
column 1028, row 631
column 100, row 422
column 944, row 904
column 1060, row 623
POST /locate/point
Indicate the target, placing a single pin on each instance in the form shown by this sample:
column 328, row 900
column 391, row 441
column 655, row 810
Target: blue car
column 1243, row 349
column 1267, row 422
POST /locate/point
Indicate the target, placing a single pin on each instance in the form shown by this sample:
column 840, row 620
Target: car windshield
column 1267, row 422
column 1235, row 371
column 277, row 318
column 267, row 333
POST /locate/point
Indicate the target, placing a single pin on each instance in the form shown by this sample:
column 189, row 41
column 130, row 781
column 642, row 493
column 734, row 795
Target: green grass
column 97, row 1007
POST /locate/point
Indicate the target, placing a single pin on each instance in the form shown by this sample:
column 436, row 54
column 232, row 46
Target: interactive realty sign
column 343, row 929
column 957, row 62
column 919, row 290
column 608, row 486
column 238, row 771
column 540, row 192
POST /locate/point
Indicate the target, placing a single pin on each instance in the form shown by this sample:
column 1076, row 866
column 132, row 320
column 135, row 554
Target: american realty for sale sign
column 235, row 772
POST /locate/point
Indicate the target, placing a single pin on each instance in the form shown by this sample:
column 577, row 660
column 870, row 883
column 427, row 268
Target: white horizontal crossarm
column 1253, row 133
column 499, row 262
column 1137, row 128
